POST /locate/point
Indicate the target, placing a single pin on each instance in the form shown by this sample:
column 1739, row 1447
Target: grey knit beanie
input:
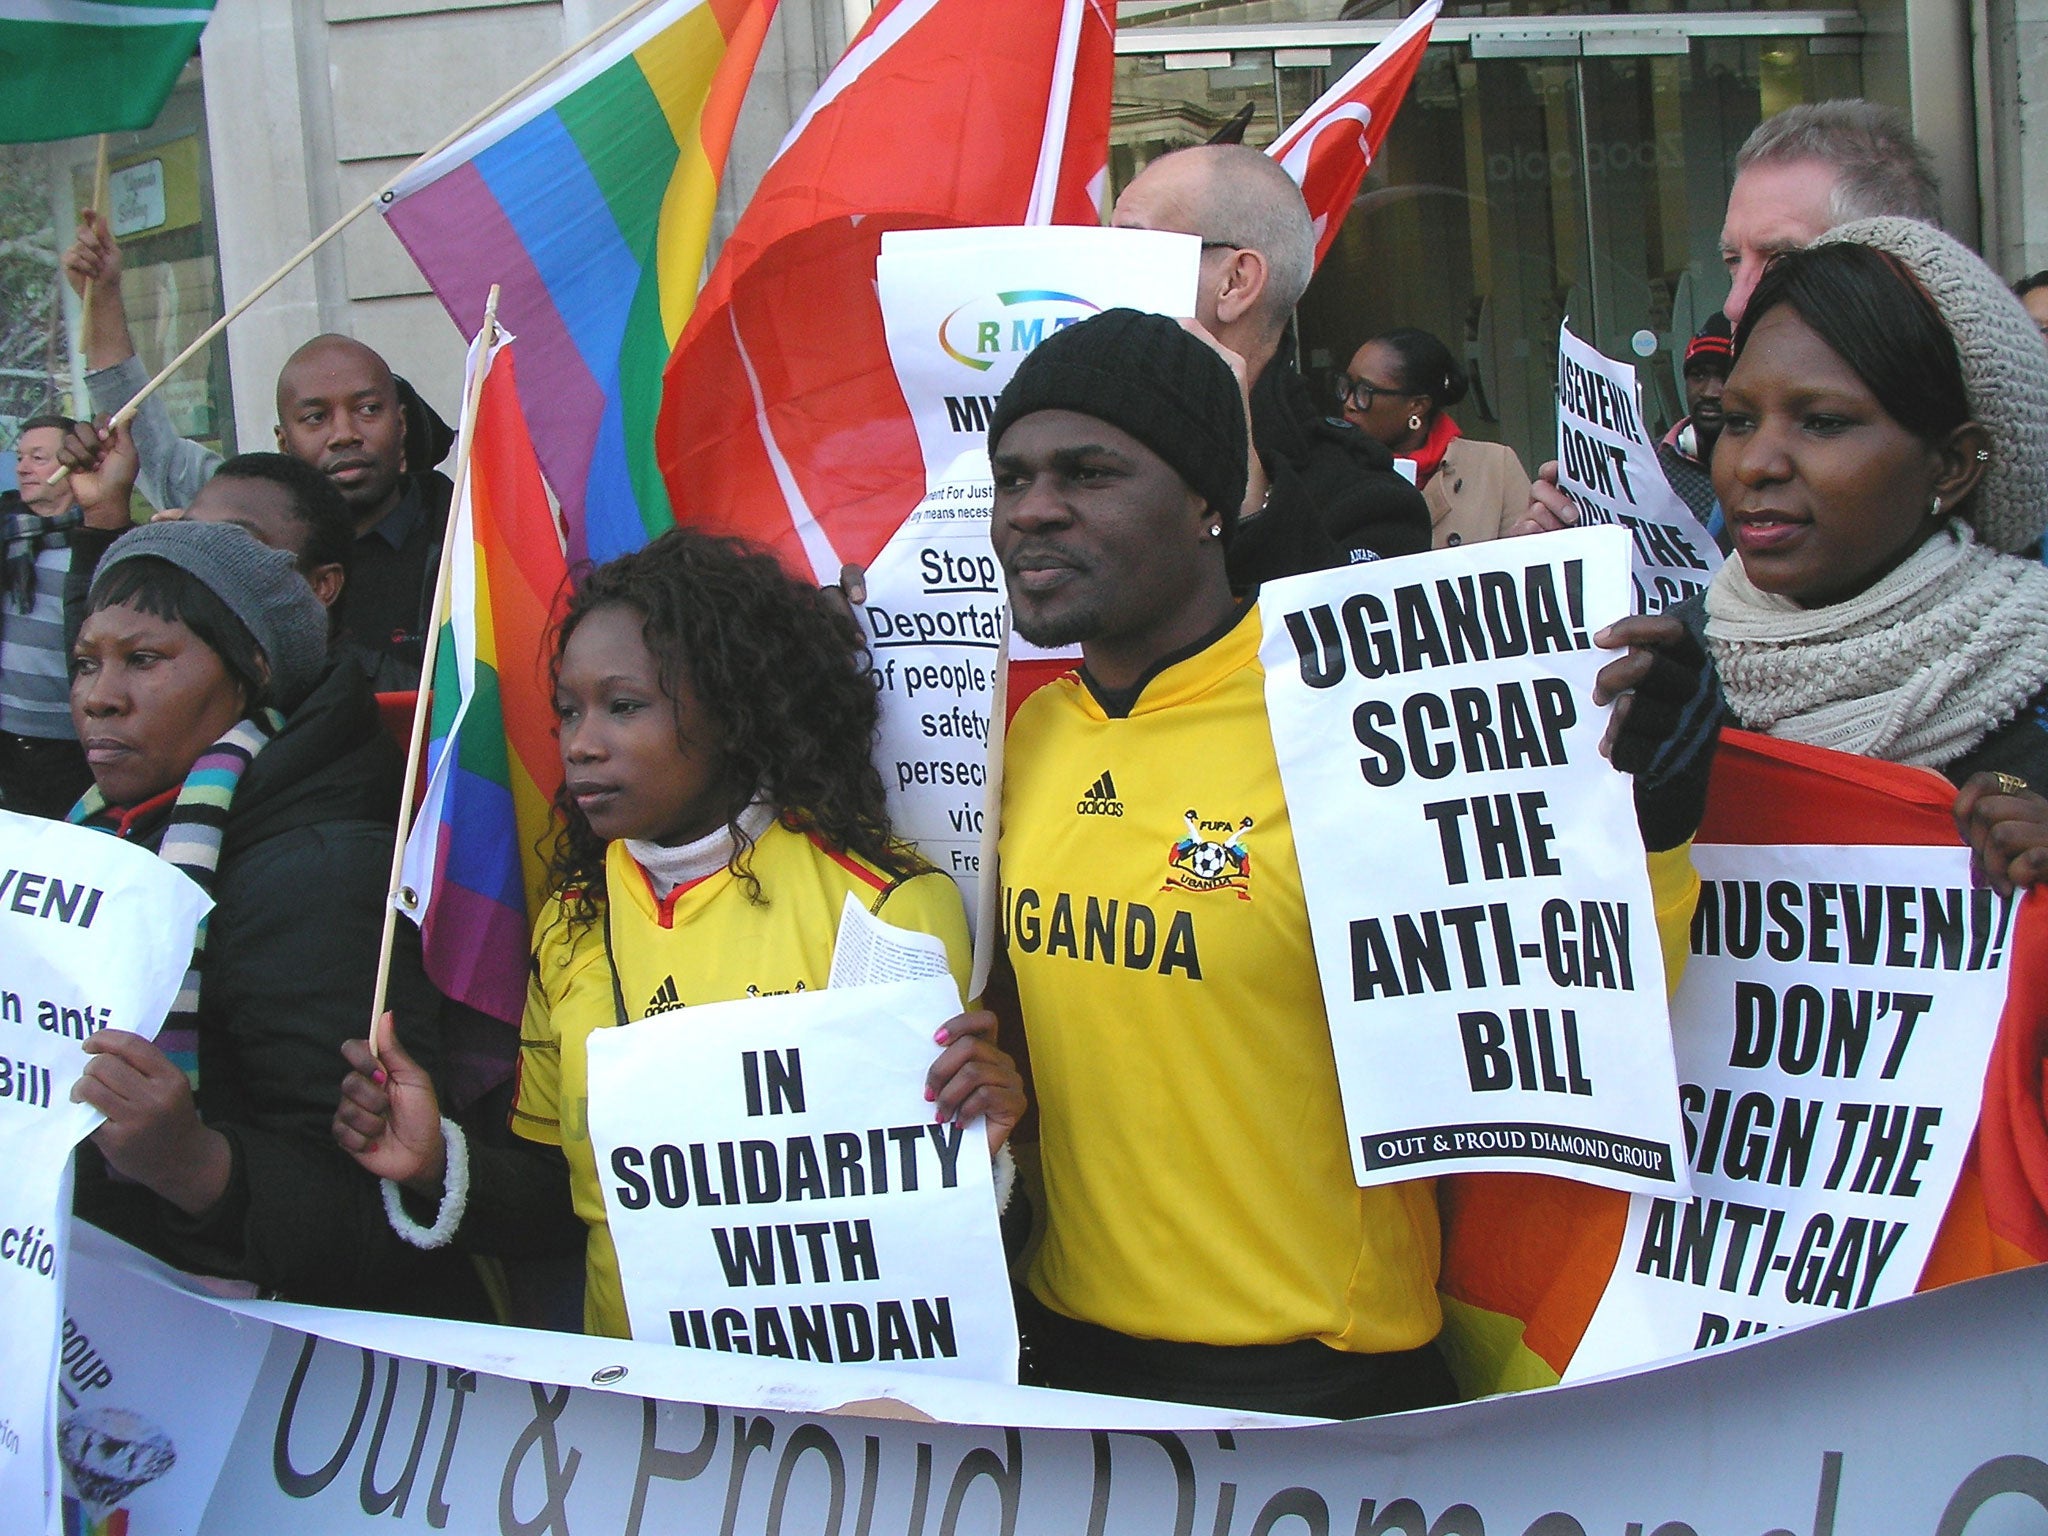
column 2005, row 370
column 259, row 585
column 1150, row 377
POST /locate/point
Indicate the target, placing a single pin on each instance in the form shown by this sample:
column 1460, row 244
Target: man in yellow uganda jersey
column 1204, row 1238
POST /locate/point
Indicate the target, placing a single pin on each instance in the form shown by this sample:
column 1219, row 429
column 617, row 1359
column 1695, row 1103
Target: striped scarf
column 26, row 535
column 191, row 844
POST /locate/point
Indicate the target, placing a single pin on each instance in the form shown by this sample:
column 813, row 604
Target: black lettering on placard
column 920, row 1328
column 1510, row 725
column 657, row 1460
column 1801, row 1031
column 1458, row 948
column 460, row 1385
column 290, row 1480
column 557, row 1471
column 1888, row 1142
column 1546, row 1054
column 1493, row 616
column 375, row 1500
column 48, row 898
column 1751, row 1136
column 1908, row 926
column 1177, row 1458
column 1004, row 1473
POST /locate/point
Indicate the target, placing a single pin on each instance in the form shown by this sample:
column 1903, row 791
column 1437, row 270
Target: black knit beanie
column 1144, row 374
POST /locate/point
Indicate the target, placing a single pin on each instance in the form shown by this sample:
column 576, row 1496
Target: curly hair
column 783, row 673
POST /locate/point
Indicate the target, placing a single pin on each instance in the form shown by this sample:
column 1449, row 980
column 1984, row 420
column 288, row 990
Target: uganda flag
column 74, row 67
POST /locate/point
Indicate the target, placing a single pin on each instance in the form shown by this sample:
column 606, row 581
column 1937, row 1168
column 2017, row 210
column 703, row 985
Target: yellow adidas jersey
column 1197, row 1170
column 707, row 943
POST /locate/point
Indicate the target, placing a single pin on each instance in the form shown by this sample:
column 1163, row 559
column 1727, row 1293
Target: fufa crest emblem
column 1211, row 857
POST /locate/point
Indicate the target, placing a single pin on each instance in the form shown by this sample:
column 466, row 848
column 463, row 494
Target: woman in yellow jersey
column 719, row 803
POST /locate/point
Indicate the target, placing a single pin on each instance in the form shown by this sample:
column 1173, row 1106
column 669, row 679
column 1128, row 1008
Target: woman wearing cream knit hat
column 1883, row 463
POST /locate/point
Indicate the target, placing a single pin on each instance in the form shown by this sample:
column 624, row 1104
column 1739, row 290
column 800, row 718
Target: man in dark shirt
column 1323, row 493
column 339, row 409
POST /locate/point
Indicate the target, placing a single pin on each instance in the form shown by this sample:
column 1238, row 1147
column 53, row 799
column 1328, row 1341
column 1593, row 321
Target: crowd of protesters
column 1867, row 431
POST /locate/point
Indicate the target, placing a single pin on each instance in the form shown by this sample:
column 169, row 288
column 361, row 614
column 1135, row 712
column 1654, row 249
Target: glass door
column 1514, row 189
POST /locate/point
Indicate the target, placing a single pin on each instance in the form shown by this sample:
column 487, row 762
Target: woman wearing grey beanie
column 1883, row 463
column 219, row 738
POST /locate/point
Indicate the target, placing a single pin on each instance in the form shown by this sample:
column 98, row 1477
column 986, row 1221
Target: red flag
column 780, row 416
column 1330, row 147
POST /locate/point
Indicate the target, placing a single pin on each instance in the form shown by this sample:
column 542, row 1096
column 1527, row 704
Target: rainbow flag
column 590, row 203
column 473, row 857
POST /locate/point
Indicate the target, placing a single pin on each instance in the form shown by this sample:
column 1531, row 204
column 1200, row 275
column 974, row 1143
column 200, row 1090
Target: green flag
column 74, row 67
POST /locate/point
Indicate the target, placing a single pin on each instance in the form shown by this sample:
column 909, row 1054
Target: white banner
column 94, row 934
column 1923, row 1417
column 1833, row 1027
column 962, row 308
column 1476, row 888
column 776, row 1184
column 1607, row 463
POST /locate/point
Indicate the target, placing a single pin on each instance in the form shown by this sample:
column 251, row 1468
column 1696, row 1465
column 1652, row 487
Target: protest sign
column 1482, row 917
column 812, row 1210
column 1607, row 464
column 137, row 1443
column 1832, row 1029
column 1921, row 1416
column 962, row 308
column 94, row 934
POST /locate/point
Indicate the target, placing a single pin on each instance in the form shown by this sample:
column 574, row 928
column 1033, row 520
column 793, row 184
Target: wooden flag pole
column 205, row 338
column 99, row 207
column 398, row 893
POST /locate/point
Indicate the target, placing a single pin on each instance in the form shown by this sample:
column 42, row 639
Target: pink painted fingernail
column 930, row 1097
column 943, row 1035
column 380, row 1077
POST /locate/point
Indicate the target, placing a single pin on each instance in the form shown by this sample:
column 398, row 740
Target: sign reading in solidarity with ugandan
column 1477, row 893
column 784, row 1191
column 962, row 308
column 1832, row 1030
column 1608, row 465
column 94, row 934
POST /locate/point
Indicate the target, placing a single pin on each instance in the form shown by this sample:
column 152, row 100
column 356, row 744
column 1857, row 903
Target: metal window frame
column 1649, row 28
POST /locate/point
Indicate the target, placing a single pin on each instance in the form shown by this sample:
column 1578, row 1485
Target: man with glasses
column 1322, row 493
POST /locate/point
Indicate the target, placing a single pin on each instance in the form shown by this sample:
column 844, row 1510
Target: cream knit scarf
column 1918, row 668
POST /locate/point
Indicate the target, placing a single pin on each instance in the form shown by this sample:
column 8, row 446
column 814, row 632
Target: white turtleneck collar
column 668, row 868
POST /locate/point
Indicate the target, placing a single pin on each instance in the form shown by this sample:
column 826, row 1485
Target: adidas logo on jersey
column 664, row 999
column 1099, row 799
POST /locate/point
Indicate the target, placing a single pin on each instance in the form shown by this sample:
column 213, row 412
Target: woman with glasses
column 1397, row 392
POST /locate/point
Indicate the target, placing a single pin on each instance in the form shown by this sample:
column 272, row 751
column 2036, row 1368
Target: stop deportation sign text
column 1476, row 886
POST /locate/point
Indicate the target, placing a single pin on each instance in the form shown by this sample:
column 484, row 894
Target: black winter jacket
column 1336, row 498
column 291, row 961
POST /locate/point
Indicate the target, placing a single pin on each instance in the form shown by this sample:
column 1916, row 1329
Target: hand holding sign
column 973, row 1078
column 2006, row 825
column 1665, row 721
column 153, row 1133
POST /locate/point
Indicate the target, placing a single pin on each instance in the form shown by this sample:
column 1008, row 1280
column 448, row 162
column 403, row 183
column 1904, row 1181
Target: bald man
column 1323, row 493
column 339, row 409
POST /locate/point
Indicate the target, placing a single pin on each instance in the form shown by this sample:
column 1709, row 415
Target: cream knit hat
column 2005, row 370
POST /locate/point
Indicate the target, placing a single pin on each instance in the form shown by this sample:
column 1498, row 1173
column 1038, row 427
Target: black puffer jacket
column 1336, row 498
column 291, row 960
